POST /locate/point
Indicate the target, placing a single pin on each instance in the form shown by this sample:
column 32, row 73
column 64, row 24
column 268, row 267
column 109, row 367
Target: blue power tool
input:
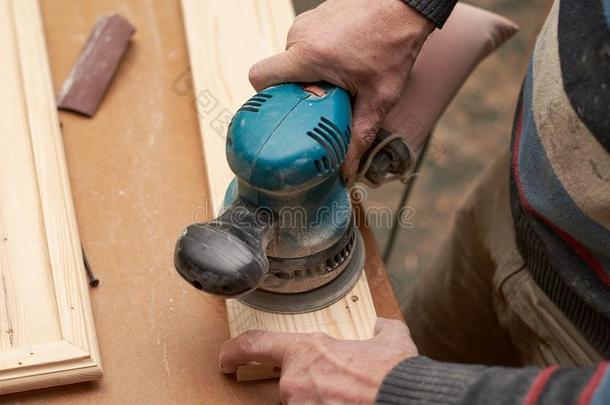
column 286, row 240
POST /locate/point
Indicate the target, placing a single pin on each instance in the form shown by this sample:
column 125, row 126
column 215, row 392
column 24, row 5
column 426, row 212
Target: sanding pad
column 321, row 297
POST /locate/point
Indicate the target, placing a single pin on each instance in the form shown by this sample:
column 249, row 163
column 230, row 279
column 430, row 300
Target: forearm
column 424, row 381
column 436, row 11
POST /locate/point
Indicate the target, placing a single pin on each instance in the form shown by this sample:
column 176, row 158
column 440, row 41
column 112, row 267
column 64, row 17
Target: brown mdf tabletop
column 137, row 178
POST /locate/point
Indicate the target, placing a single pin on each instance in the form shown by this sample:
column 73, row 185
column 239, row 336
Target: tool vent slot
column 333, row 136
column 341, row 136
column 333, row 140
column 328, row 162
column 319, row 167
column 334, row 262
column 255, row 103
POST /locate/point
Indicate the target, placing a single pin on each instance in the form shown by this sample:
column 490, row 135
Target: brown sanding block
column 85, row 86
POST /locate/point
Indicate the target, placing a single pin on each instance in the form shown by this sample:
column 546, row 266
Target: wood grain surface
column 220, row 56
column 47, row 332
column 138, row 179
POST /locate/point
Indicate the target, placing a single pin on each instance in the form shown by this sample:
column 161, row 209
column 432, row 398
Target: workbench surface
column 137, row 178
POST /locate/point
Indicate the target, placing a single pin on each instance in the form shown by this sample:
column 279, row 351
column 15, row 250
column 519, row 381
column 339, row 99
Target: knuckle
column 364, row 138
column 302, row 49
column 380, row 322
column 317, row 342
column 405, row 328
column 350, row 83
column 318, row 336
column 325, row 51
column 369, row 136
column 249, row 339
column 303, row 17
column 287, row 389
column 398, row 326
column 387, row 96
column 365, row 128
column 313, row 50
column 254, row 73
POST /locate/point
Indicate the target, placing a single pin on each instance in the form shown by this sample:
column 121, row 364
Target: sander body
column 285, row 240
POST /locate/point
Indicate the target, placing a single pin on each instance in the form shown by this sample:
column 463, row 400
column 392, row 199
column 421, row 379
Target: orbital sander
column 286, row 239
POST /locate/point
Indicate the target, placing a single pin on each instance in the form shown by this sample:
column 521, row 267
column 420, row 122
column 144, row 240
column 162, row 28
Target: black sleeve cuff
column 424, row 381
column 436, row 11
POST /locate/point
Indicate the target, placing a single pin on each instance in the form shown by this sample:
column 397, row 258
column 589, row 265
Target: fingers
column 262, row 347
column 372, row 104
column 395, row 334
column 284, row 67
column 390, row 327
column 365, row 125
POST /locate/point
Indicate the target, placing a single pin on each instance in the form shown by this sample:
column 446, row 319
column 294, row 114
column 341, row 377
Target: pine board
column 224, row 39
column 47, row 335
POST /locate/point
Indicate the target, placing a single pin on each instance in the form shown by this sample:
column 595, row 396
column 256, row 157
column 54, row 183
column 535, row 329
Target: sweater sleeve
column 423, row 381
column 436, row 11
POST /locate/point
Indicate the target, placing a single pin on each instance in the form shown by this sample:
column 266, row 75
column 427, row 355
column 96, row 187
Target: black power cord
column 403, row 200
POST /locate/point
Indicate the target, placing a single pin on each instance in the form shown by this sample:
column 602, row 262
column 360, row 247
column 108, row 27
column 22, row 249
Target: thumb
column 260, row 346
column 284, row 67
column 365, row 125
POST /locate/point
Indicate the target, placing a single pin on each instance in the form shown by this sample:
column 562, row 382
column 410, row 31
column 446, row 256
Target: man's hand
column 366, row 47
column 317, row 369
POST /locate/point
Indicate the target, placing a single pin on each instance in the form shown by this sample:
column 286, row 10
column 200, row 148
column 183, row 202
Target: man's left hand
column 317, row 368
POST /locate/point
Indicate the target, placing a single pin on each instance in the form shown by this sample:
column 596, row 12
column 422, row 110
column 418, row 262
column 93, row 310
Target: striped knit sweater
column 560, row 192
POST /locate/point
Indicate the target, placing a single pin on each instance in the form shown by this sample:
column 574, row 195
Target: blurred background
column 475, row 127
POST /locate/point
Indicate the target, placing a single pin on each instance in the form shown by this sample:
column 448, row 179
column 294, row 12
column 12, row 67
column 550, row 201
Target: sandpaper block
column 85, row 86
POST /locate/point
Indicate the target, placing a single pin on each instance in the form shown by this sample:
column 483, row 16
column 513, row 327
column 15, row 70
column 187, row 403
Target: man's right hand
column 366, row 47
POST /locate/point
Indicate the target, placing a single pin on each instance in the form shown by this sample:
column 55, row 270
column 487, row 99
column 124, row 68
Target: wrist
column 399, row 22
column 412, row 16
column 436, row 11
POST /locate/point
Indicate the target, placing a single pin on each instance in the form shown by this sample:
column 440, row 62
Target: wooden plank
column 224, row 40
column 48, row 335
